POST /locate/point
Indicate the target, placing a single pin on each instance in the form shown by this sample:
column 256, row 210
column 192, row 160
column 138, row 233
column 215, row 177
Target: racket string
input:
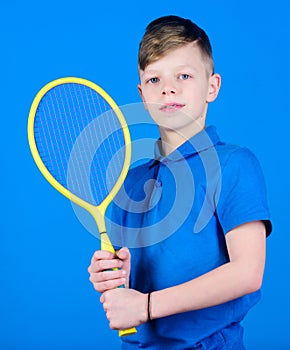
column 73, row 117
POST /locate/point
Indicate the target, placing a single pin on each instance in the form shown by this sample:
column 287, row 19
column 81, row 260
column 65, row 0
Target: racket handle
column 107, row 245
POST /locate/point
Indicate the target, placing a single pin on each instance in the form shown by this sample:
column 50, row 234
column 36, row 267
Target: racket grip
column 107, row 245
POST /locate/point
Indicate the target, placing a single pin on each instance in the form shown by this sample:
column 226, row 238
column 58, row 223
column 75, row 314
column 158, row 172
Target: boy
column 192, row 289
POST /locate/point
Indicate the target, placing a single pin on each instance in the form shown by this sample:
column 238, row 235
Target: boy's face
column 176, row 89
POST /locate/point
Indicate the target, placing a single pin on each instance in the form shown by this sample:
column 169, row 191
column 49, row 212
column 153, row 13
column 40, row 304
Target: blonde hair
column 168, row 33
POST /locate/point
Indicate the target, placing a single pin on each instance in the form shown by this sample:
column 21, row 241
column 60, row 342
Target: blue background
column 46, row 300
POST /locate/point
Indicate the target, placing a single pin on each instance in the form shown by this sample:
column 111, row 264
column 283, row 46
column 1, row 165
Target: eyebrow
column 180, row 66
column 149, row 72
column 185, row 66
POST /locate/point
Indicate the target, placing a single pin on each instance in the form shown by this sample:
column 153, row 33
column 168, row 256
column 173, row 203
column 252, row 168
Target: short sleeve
column 242, row 195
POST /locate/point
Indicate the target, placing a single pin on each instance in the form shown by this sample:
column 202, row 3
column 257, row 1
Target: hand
column 125, row 308
column 102, row 276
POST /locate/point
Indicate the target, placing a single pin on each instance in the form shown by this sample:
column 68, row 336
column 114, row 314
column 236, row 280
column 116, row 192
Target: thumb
column 123, row 253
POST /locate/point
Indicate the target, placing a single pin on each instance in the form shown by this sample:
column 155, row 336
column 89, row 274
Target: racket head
column 60, row 113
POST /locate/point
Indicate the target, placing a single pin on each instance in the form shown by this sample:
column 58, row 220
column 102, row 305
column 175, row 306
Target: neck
column 172, row 139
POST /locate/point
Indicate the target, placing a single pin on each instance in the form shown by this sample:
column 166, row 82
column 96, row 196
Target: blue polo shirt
column 174, row 215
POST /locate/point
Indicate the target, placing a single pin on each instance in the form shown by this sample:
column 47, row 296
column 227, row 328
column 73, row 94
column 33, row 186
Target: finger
column 101, row 265
column 102, row 255
column 123, row 253
column 112, row 324
column 107, row 275
column 102, row 298
column 107, row 285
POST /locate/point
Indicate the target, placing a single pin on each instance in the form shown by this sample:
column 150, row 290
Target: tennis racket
column 80, row 142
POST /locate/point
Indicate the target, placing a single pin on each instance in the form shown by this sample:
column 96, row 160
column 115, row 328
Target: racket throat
column 98, row 214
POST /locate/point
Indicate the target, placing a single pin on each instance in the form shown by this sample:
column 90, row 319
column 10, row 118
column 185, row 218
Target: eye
column 183, row 76
column 153, row 80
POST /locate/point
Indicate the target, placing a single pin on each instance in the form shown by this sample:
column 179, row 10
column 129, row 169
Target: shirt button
column 158, row 184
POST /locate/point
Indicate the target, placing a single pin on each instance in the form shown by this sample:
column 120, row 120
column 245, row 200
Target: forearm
column 218, row 286
column 242, row 275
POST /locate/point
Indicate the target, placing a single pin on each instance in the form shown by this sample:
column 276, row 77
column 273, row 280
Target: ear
column 140, row 91
column 141, row 95
column 214, row 87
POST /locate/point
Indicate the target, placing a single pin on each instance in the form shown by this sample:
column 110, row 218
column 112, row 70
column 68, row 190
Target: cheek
column 202, row 94
column 197, row 95
column 149, row 98
column 147, row 93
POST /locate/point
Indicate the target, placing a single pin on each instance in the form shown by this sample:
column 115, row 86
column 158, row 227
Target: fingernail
column 124, row 272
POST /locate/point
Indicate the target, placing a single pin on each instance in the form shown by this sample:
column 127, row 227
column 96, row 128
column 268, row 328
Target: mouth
column 171, row 107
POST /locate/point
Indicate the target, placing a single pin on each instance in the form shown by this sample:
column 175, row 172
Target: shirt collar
column 202, row 141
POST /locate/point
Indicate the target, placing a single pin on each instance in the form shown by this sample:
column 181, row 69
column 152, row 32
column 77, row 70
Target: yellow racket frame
column 98, row 212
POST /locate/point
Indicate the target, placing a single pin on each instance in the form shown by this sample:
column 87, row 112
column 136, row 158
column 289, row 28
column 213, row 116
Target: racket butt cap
column 125, row 332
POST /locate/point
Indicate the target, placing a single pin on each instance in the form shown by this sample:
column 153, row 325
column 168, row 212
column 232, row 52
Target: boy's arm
column 242, row 275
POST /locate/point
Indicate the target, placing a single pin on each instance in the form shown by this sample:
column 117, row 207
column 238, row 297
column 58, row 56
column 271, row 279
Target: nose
column 168, row 92
column 168, row 88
